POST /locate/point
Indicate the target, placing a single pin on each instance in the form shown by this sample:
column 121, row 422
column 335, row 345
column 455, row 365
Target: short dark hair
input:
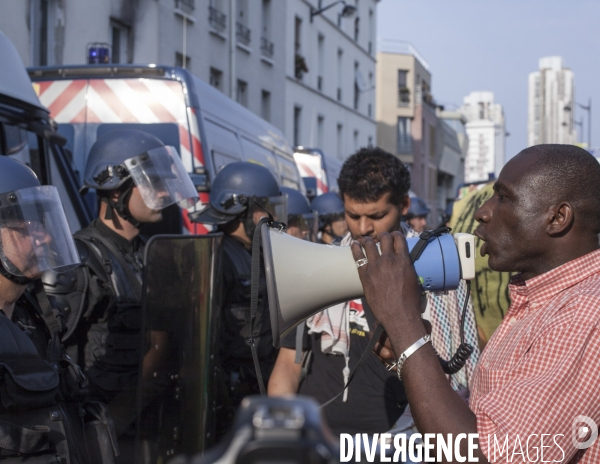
column 371, row 173
column 569, row 173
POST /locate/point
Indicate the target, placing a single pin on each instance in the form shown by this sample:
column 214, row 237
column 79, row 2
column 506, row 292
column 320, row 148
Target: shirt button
column 512, row 320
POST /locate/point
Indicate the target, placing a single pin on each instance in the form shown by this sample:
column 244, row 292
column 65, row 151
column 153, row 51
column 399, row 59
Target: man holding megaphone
column 536, row 382
column 374, row 186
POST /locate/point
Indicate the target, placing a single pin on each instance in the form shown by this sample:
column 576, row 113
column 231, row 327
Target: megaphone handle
column 254, row 285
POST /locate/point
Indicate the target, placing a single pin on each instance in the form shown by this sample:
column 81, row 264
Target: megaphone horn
column 304, row 278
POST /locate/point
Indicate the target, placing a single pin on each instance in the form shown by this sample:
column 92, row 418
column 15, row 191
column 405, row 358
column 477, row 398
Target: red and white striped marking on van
column 145, row 101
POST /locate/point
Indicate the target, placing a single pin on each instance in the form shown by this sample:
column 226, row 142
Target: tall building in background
column 406, row 119
column 486, row 132
column 551, row 103
column 309, row 72
column 410, row 124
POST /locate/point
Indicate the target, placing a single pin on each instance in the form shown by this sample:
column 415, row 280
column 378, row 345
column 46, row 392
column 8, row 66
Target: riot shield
column 176, row 391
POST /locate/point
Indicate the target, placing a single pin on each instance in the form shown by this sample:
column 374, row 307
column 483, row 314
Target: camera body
column 275, row 430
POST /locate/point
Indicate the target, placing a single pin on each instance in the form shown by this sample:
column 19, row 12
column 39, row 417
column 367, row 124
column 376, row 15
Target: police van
column 209, row 129
column 319, row 172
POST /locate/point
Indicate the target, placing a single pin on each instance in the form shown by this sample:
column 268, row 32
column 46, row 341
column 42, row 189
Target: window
column 40, row 32
column 356, row 88
column 241, row 93
column 340, row 139
column 356, row 28
column 432, row 142
column 298, row 35
column 120, row 34
column 355, row 139
column 297, row 124
column 299, row 62
column 321, row 63
column 320, row 131
column 266, row 45
column 216, row 78
column 265, row 105
column 370, row 143
column 340, row 57
column 371, row 32
column 404, row 143
column 180, row 62
column 403, row 90
column 241, row 26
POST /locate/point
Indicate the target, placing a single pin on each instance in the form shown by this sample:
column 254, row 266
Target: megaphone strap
column 374, row 339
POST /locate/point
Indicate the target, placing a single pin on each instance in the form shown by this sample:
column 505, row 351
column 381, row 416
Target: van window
column 289, row 174
column 255, row 153
column 168, row 133
column 221, row 159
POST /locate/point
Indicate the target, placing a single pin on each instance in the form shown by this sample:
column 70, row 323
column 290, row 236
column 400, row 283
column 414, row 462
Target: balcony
column 217, row 19
column 187, row 6
column 242, row 34
column 403, row 96
column 266, row 47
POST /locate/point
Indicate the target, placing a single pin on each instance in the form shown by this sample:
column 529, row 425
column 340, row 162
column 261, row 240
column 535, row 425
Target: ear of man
column 561, row 219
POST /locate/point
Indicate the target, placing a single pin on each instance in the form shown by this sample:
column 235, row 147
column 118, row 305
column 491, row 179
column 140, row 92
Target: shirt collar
column 545, row 286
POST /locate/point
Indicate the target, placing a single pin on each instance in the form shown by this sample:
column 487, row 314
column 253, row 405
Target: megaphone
column 304, row 278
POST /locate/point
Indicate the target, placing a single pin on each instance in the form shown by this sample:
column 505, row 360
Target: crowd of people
column 71, row 307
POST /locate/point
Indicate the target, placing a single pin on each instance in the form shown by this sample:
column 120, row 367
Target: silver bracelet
column 410, row 350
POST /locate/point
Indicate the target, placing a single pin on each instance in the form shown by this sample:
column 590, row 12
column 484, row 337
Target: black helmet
column 30, row 212
column 329, row 208
column 417, row 208
column 234, row 189
column 124, row 158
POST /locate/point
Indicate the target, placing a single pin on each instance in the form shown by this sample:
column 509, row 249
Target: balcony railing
column 186, row 6
column 217, row 19
column 266, row 47
column 242, row 33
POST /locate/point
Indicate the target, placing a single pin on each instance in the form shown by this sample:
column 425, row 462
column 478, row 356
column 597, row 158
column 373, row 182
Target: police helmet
column 34, row 232
column 236, row 188
column 417, row 208
column 155, row 169
column 300, row 217
column 329, row 208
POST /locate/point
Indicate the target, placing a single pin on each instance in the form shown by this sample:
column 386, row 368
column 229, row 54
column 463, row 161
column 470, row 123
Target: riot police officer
column 241, row 194
column 300, row 218
column 135, row 177
column 416, row 217
column 39, row 407
column 332, row 223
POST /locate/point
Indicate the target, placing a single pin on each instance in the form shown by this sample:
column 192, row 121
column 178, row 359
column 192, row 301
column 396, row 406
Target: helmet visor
column 303, row 226
column 277, row 206
column 161, row 179
column 34, row 232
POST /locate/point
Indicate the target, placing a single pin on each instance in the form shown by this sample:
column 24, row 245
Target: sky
column 493, row 45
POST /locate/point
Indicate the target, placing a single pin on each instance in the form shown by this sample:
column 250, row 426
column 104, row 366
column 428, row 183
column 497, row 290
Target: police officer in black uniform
column 135, row 176
column 240, row 194
column 331, row 213
column 40, row 412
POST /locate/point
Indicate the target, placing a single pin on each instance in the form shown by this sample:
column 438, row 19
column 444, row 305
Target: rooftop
column 401, row 47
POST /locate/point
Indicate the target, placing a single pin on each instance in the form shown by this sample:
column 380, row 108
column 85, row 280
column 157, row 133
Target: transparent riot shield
column 176, row 390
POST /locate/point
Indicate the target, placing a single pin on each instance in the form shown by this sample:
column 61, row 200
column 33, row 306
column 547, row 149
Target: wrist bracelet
column 410, row 350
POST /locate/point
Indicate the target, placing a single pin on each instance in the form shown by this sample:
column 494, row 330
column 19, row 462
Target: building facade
column 551, row 103
column 330, row 76
column 453, row 144
column 406, row 115
column 311, row 75
column 486, row 132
